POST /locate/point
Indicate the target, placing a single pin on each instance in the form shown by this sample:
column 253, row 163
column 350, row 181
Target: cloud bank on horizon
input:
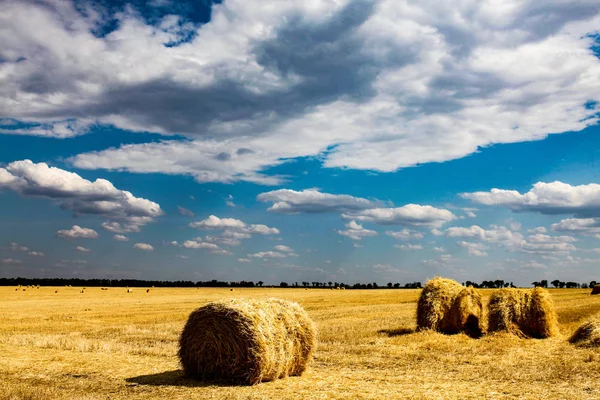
column 355, row 85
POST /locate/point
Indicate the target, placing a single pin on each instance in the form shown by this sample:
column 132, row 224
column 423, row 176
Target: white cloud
column 546, row 198
column 229, row 201
column 409, row 246
column 234, row 230
column 365, row 85
column 143, row 246
column 497, row 234
column 82, row 249
column 405, row 234
column 284, row 249
column 214, row 222
column 541, row 238
column 77, row 232
column 268, row 254
column 539, row 229
column 199, row 244
column 36, row 254
column 584, row 226
column 410, row 215
column 120, row 238
column 244, row 260
column 72, row 192
column 439, row 249
column 473, row 249
column 11, row 261
column 13, row 246
column 356, row 231
column 286, row 201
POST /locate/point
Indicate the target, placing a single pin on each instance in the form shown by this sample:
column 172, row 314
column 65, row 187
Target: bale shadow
column 175, row 378
column 397, row 331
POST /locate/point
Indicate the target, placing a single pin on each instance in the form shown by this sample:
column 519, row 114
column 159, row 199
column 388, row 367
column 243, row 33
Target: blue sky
column 332, row 141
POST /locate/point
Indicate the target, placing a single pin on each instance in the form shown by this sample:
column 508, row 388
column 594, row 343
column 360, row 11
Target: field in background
column 113, row 344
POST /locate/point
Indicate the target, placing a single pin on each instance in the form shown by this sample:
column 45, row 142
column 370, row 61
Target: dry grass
column 247, row 341
column 111, row 344
column 523, row 312
column 446, row 306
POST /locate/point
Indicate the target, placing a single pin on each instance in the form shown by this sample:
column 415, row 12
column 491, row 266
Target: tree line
column 499, row 283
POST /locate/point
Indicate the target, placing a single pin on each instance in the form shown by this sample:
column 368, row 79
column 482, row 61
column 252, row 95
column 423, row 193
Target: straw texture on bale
column 588, row 334
column 523, row 312
column 448, row 307
column 596, row 289
column 247, row 341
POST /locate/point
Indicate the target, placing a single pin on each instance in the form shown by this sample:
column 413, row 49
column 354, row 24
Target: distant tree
column 507, row 284
column 283, row 284
column 584, row 285
column 396, row 285
column 544, row 283
column 555, row 283
column 375, row 285
column 260, row 283
column 592, row 284
column 390, row 284
column 498, row 283
column 535, row 284
column 572, row 285
column 330, row 283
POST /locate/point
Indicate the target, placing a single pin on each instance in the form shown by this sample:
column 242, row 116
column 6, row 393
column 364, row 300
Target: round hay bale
column 448, row 307
column 596, row 289
column 588, row 334
column 247, row 341
column 231, row 290
column 523, row 312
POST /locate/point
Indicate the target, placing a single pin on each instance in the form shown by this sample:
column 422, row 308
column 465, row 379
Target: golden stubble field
column 118, row 345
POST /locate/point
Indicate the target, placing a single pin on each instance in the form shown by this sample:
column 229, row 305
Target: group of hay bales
column 446, row 306
column 248, row 341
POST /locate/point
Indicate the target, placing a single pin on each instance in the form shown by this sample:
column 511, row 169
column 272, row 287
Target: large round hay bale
column 448, row 307
column 523, row 312
column 596, row 289
column 247, row 341
column 588, row 334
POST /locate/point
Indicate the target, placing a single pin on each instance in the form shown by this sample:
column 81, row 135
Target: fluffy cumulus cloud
column 267, row 254
column 356, row 231
column 538, row 243
column 368, row 85
column 409, row 215
column 121, row 238
column 70, row 191
column 496, row 234
column 405, row 234
column 581, row 201
column 286, row 201
column 584, row 226
column 82, row 249
column 143, row 247
column 474, row 249
column 409, row 246
column 77, row 232
column 233, row 231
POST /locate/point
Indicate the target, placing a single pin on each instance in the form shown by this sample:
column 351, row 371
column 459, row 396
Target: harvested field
column 119, row 345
